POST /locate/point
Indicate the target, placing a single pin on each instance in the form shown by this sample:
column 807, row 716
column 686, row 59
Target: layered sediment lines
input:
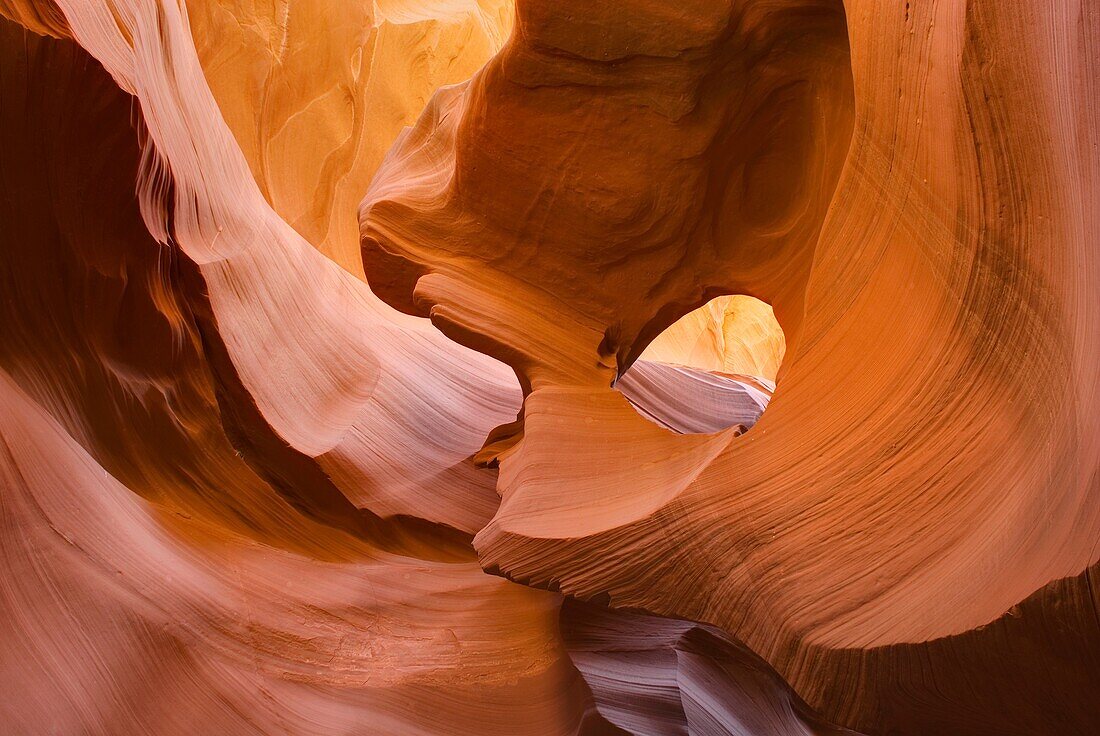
column 247, row 488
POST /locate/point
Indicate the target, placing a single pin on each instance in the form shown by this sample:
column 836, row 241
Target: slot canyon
column 550, row 367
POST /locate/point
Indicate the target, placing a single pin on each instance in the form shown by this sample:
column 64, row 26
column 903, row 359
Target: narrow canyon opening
column 712, row 369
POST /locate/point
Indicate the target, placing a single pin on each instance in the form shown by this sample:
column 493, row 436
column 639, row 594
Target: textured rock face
column 247, row 488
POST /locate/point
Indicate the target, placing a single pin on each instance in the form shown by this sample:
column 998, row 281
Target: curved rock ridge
column 247, row 488
column 325, row 386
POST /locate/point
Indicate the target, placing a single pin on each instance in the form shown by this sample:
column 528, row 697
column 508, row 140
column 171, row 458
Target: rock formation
column 400, row 367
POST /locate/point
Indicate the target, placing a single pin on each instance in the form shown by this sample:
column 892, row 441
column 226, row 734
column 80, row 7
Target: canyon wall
column 470, row 367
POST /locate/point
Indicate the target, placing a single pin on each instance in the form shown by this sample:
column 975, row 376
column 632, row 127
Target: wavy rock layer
column 242, row 494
